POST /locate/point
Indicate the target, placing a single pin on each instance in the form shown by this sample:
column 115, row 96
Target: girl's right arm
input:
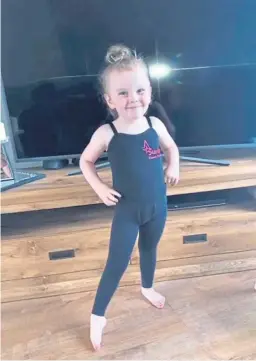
column 96, row 146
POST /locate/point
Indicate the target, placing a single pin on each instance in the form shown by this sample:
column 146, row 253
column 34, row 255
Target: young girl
column 133, row 144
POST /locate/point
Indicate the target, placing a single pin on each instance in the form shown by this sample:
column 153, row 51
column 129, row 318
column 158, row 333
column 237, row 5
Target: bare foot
column 153, row 297
column 97, row 325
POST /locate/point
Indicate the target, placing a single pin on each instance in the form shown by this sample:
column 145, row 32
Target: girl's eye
column 123, row 93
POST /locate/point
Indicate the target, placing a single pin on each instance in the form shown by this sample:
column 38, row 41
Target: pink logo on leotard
column 152, row 153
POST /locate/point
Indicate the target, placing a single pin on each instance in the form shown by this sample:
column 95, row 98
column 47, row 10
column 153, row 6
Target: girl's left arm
column 170, row 150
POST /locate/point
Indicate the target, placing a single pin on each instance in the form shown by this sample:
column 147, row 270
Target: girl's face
column 129, row 92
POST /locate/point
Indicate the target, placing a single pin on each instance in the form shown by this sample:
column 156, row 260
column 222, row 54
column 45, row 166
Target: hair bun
column 117, row 53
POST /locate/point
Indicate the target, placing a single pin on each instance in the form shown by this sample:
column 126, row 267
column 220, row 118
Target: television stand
column 214, row 202
column 55, row 163
column 205, row 161
column 106, row 164
column 75, row 191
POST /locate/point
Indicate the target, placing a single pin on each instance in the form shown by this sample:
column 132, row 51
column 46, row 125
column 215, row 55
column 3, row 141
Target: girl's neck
column 127, row 123
column 131, row 127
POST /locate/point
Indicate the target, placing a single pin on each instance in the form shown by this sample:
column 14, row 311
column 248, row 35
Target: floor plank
column 205, row 318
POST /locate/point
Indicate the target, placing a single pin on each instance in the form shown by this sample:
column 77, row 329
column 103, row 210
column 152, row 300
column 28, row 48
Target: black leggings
column 129, row 219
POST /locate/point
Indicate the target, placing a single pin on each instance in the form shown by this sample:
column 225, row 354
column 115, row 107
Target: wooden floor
column 205, row 318
column 210, row 312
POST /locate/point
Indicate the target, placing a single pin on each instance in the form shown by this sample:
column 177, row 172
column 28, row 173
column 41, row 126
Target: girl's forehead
column 128, row 77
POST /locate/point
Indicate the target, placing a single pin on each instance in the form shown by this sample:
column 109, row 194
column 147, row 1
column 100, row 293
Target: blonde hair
column 119, row 57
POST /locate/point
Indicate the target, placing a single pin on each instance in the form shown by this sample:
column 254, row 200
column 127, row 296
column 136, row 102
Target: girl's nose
column 133, row 97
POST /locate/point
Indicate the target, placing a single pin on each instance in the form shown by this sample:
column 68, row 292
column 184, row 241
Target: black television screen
column 210, row 106
column 52, row 51
column 55, row 117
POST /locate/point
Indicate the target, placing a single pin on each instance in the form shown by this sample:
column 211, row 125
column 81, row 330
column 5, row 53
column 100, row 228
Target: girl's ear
column 108, row 101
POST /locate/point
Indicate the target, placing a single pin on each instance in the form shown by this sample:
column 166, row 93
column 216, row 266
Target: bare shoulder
column 166, row 140
column 107, row 133
column 101, row 131
column 102, row 134
column 98, row 144
column 158, row 125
